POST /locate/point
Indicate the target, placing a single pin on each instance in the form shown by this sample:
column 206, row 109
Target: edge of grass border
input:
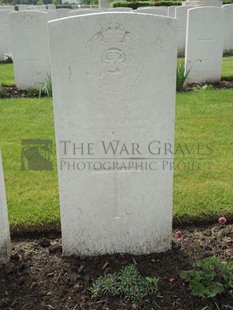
column 54, row 228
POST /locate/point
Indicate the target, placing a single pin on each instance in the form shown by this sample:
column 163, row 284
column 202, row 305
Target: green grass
column 205, row 117
column 7, row 72
column 32, row 195
column 201, row 117
column 7, row 75
column 227, row 68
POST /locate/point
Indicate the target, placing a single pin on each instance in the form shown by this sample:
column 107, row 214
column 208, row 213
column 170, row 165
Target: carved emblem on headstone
column 113, row 58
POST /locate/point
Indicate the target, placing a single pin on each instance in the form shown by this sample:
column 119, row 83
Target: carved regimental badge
column 113, row 58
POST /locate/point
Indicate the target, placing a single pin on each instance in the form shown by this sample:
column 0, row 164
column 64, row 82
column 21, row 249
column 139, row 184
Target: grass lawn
column 202, row 117
column 7, row 75
column 7, row 72
column 227, row 68
column 32, row 195
column 205, row 117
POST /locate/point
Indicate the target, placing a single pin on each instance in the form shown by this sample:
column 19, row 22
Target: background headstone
column 61, row 13
column 4, row 33
column 114, row 78
column 29, row 32
column 120, row 9
column 51, row 14
column 181, row 15
column 51, row 6
column 171, row 11
column 104, row 4
column 7, row 7
column 83, row 11
column 204, row 44
column 5, row 242
column 151, row 10
column 198, row 3
column 228, row 29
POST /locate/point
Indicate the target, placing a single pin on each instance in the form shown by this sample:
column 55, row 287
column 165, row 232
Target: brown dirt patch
column 38, row 277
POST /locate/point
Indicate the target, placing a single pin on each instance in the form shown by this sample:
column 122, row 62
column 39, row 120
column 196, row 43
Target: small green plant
column 33, row 93
column 209, row 277
column 228, row 53
column 46, row 89
column 2, row 92
column 127, row 283
column 204, row 87
column 181, row 75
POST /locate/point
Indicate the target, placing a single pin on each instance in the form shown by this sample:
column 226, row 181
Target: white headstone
column 198, row 3
column 51, row 6
column 23, row 7
column 4, row 33
column 120, row 9
column 115, row 83
column 5, row 241
column 82, row 11
column 29, row 33
column 204, row 44
column 153, row 10
column 7, row 7
column 52, row 14
column 181, row 15
column 171, row 11
column 104, row 4
column 228, row 30
column 61, row 13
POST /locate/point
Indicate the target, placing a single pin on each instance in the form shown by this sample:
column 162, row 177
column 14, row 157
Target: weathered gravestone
column 228, row 30
column 82, row 12
column 204, row 44
column 51, row 14
column 104, row 4
column 61, row 13
column 151, row 10
column 171, row 11
column 29, row 33
column 199, row 3
column 51, row 6
column 7, row 7
column 120, row 9
column 181, row 15
column 4, row 33
column 5, row 242
column 115, row 86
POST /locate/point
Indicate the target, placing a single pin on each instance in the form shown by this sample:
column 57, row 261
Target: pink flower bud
column 178, row 234
column 222, row 220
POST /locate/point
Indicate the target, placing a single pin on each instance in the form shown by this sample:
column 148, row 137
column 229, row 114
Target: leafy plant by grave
column 46, row 89
column 209, row 277
column 127, row 283
column 181, row 75
column 228, row 53
column 2, row 92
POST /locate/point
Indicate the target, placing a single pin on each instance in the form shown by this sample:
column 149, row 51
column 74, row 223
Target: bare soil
column 39, row 277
